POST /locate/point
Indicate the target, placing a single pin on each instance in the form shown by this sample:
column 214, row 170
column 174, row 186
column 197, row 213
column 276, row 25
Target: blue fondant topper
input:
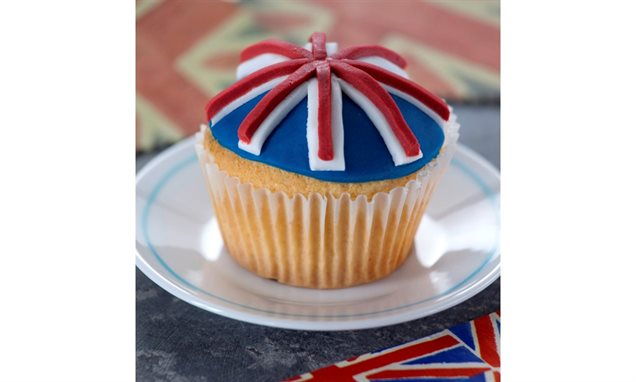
column 366, row 155
column 349, row 115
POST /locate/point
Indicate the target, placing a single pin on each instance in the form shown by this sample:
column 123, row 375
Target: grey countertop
column 178, row 342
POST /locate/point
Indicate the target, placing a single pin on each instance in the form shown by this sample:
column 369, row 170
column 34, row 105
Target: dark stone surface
column 179, row 342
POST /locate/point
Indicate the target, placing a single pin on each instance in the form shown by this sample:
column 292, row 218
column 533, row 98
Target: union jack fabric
column 466, row 352
column 187, row 51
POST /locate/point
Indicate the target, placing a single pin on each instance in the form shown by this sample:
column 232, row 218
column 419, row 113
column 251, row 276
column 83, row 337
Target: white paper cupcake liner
column 321, row 241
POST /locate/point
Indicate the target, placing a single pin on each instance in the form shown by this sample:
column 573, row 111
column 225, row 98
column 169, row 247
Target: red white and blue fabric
column 466, row 352
column 367, row 74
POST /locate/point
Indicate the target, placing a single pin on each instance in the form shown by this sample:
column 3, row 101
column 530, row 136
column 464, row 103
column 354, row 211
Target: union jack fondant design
column 466, row 352
column 287, row 73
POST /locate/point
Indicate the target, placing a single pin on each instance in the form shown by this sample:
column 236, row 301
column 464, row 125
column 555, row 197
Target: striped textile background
column 187, row 50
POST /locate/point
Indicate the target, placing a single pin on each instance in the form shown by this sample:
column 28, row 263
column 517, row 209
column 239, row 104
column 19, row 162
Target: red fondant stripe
column 319, row 45
column 361, row 51
column 325, row 138
column 442, row 372
column 268, row 103
column 248, row 83
column 274, row 46
column 404, row 85
column 346, row 373
column 364, row 83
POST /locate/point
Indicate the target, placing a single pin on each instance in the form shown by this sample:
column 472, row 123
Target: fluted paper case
column 321, row 241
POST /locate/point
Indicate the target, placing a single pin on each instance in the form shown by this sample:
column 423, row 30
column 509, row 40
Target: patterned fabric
column 188, row 50
column 466, row 352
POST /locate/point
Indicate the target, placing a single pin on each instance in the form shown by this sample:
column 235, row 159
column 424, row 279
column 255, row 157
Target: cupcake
column 320, row 161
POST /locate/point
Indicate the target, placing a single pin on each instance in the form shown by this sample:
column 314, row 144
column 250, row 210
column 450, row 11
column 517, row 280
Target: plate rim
column 331, row 323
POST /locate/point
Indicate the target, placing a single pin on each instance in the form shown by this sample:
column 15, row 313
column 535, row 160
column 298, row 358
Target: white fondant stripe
column 332, row 47
column 256, row 63
column 416, row 103
column 235, row 104
column 384, row 64
column 380, row 122
column 273, row 119
column 337, row 129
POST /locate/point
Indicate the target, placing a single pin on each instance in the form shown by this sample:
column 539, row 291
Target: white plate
column 180, row 248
